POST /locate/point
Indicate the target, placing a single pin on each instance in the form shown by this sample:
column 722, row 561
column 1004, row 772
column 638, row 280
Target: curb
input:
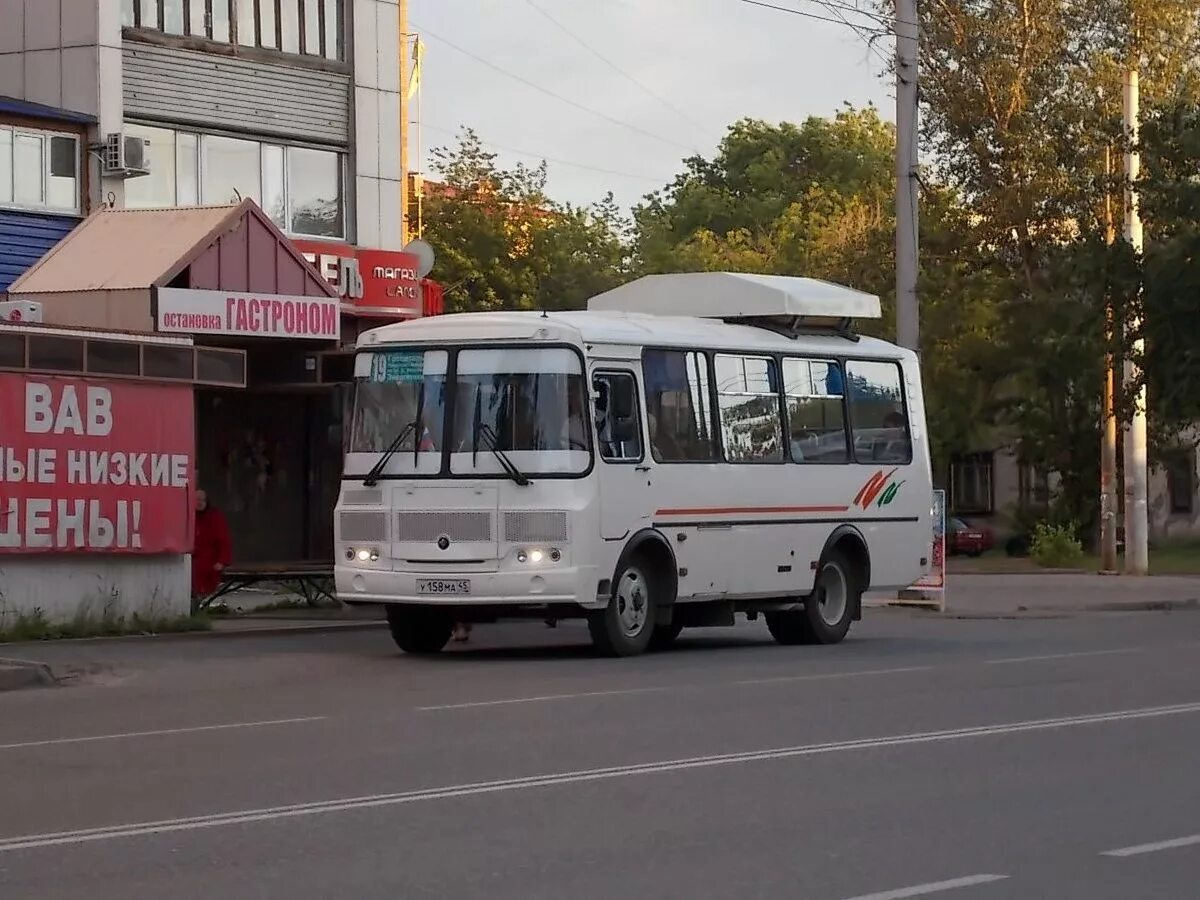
column 20, row 673
column 272, row 631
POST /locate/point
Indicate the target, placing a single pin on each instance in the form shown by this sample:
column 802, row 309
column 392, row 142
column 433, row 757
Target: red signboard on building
column 92, row 466
column 376, row 282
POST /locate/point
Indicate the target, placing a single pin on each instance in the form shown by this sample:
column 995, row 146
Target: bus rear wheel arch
column 835, row 601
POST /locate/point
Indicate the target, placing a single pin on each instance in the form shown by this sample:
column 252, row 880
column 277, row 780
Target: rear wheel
column 626, row 626
column 419, row 630
column 829, row 610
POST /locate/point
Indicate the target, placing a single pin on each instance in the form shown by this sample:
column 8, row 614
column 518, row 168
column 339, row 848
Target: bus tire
column 626, row 626
column 664, row 636
column 827, row 612
column 418, row 631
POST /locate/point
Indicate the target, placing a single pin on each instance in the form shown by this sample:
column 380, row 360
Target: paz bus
column 689, row 448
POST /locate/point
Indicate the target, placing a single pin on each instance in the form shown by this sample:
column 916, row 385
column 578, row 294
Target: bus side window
column 878, row 417
column 618, row 427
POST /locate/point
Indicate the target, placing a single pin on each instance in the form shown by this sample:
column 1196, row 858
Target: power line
column 561, row 162
column 549, row 93
column 797, row 12
column 612, row 65
column 867, row 35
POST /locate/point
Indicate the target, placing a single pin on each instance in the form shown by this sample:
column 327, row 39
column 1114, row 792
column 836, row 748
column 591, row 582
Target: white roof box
column 733, row 296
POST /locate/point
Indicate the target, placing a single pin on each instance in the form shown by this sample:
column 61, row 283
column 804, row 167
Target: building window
column 1034, row 487
column 748, row 402
column 971, row 484
column 39, row 170
column 816, row 417
column 1181, row 483
column 304, row 27
column 298, row 187
column 878, row 419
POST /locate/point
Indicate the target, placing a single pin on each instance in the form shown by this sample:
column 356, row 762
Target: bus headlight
column 537, row 555
column 363, row 554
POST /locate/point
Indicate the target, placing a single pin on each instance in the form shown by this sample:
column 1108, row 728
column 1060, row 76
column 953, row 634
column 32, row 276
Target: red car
column 965, row 539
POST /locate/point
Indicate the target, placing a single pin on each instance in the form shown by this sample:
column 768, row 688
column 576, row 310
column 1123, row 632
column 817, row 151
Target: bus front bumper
column 576, row 585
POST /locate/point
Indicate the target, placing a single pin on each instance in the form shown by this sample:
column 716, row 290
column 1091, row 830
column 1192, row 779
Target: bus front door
column 625, row 505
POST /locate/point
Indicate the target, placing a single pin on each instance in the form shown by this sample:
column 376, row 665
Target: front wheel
column 626, row 626
column 419, row 631
column 829, row 610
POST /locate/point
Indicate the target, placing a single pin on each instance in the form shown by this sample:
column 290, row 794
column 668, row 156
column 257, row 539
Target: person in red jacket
column 213, row 550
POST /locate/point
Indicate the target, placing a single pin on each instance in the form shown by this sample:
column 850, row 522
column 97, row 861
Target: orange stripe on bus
column 727, row 510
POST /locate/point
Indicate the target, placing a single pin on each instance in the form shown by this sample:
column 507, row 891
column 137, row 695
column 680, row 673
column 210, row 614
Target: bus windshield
column 529, row 403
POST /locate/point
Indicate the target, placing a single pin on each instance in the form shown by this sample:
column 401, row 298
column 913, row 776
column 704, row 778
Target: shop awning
column 225, row 248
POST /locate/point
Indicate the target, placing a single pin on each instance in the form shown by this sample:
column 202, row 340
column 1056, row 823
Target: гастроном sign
column 95, row 466
column 247, row 315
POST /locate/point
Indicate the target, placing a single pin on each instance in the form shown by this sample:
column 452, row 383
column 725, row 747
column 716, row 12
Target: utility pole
column 1109, row 499
column 1137, row 526
column 405, row 229
column 907, row 48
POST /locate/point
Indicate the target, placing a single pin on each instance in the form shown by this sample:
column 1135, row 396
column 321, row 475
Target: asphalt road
column 972, row 759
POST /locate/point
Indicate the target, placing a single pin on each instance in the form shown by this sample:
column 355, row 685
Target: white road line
column 241, row 817
column 1173, row 844
column 824, row 676
column 548, row 698
column 935, row 887
column 138, row 734
column 1021, row 659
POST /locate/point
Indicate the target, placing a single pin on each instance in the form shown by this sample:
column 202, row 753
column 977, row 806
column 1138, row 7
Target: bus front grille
column 459, row 527
column 529, row 527
column 363, row 526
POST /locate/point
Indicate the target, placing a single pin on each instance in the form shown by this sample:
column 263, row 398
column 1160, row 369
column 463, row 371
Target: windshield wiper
column 492, row 442
column 372, row 477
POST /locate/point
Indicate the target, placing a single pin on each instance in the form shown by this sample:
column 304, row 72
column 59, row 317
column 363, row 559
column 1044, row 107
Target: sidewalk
column 299, row 619
column 1047, row 593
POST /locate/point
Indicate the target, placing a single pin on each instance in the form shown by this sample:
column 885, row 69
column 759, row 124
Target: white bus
column 689, row 448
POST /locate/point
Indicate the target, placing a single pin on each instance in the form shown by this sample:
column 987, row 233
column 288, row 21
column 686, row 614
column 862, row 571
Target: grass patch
column 33, row 625
column 1175, row 557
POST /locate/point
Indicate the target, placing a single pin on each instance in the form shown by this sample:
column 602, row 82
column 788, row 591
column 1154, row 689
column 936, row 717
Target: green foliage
column 1055, row 546
column 501, row 243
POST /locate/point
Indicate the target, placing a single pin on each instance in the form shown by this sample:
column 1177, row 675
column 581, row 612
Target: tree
column 501, row 243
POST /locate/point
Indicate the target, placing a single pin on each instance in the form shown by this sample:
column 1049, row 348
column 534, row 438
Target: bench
column 312, row 580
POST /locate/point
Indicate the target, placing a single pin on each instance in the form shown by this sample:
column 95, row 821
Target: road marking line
column 547, row 698
column 193, row 823
column 138, row 734
column 1021, row 659
column 1173, row 844
column 823, row 676
column 935, row 887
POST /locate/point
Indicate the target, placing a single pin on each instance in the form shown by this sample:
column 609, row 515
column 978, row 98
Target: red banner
column 91, row 466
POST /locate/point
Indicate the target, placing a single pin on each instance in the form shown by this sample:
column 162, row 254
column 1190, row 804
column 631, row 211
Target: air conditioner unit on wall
column 20, row 311
column 126, row 156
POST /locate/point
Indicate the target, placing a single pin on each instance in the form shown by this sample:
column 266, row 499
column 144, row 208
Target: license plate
column 443, row 586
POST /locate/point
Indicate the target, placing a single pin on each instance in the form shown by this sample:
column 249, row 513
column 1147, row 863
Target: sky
column 674, row 75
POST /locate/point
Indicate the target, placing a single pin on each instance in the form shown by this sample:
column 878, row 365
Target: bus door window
column 618, row 427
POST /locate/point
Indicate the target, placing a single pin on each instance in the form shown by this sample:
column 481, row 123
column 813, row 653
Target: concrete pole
column 1109, row 498
column 907, row 308
column 1137, row 554
column 405, row 225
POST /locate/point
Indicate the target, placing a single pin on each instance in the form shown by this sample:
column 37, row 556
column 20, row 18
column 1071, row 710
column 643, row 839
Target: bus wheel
column 827, row 613
column 626, row 625
column 664, row 636
column 419, row 631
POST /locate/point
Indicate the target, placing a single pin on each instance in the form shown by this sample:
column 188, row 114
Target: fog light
column 555, row 556
column 522, row 556
column 350, row 553
column 364, row 555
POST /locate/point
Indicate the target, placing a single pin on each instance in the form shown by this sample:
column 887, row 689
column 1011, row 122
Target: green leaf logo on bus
column 879, row 489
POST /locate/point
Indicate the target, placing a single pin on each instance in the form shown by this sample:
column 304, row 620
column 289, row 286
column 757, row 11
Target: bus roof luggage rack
column 780, row 303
